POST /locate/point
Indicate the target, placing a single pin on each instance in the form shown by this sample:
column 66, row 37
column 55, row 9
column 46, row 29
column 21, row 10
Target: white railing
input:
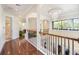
column 57, row 45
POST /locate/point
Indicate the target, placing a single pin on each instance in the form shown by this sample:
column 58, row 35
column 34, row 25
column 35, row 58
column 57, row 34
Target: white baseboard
column 35, row 45
column 1, row 46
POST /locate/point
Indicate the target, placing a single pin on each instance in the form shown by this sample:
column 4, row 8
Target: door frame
column 47, row 29
column 5, row 24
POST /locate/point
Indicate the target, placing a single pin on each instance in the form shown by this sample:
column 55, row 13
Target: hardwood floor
column 19, row 47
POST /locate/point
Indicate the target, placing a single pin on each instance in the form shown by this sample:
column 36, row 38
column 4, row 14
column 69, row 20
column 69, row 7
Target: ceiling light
column 18, row 4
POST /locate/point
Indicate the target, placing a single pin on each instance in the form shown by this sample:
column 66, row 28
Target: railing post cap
column 78, row 40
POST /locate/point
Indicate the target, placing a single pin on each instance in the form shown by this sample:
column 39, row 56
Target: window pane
column 67, row 24
column 71, row 24
column 57, row 25
column 76, row 23
column 64, row 23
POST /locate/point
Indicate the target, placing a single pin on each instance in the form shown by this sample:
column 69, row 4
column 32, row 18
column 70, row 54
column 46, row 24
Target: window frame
column 62, row 28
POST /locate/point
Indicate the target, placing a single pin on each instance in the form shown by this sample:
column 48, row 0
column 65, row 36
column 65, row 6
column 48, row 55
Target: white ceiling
column 20, row 10
column 63, row 7
column 24, row 9
column 60, row 10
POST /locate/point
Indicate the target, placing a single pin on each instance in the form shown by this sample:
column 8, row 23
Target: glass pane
column 57, row 25
column 67, row 24
column 64, row 25
column 76, row 23
column 71, row 24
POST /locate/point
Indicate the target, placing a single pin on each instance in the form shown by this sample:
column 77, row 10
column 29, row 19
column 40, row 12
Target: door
column 45, row 26
column 8, row 30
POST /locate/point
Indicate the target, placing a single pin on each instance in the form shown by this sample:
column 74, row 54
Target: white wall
column 69, row 14
column 68, row 33
column 73, row 34
column 15, row 23
column 15, row 28
column 2, row 41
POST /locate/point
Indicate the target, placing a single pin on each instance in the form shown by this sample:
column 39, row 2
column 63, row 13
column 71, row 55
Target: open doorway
column 32, row 24
column 45, row 26
column 8, row 28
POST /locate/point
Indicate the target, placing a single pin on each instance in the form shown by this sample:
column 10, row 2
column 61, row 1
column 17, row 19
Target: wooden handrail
column 52, row 39
column 59, row 36
column 43, row 33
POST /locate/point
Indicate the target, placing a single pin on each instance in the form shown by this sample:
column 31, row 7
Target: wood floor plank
column 13, row 47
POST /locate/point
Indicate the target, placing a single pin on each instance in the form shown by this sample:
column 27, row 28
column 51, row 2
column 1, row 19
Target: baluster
column 61, row 45
column 42, row 43
column 53, row 46
column 45, row 44
column 58, row 40
column 56, row 47
column 69, row 46
column 41, row 39
column 64, row 45
column 72, row 47
column 49, row 45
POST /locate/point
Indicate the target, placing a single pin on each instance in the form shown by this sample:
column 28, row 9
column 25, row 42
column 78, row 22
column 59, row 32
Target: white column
column 41, row 27
column 50, row 26
column 50, row 22
column 38, row 28
column 15, row 26
column 27, row 27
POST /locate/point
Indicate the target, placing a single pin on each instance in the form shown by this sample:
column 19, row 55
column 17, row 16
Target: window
column 57, row 25
column 71, row 24
column 76, row 24
column 67, row 24
column 63, row 25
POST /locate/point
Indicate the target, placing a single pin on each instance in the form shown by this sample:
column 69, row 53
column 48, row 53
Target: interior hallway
column 13, row 47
